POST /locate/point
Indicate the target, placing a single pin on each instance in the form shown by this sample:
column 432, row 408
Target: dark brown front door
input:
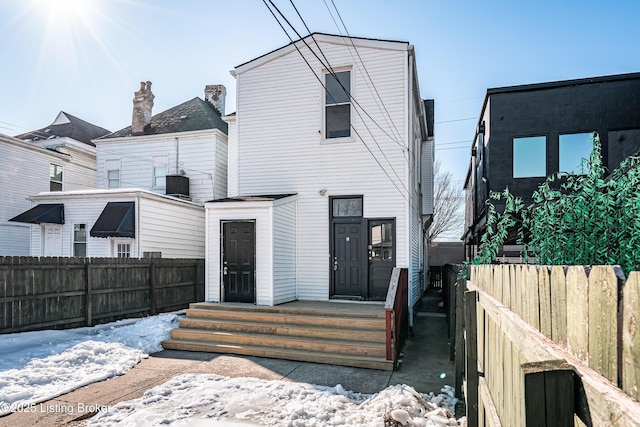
column 381, row 256
column 348, row 269
column 238, row 261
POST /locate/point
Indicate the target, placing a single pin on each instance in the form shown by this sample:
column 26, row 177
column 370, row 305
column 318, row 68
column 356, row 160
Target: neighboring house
column 186, row 143
column 152, row 179
column 330, row 176
column 58, row 157
column 528, row 132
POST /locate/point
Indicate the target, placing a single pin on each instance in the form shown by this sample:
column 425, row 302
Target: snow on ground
column 38, row 366
column 213, row 400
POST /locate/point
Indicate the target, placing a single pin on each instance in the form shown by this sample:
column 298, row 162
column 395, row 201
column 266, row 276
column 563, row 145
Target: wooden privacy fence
column 55, row 293
column 552, row 346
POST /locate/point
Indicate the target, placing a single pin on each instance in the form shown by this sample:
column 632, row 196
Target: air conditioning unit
column 178, row 186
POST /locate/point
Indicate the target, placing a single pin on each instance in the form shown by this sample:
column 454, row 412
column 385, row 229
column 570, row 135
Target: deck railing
column 397, row 312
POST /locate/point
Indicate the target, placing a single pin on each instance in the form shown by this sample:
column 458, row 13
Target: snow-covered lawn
column 38, row 366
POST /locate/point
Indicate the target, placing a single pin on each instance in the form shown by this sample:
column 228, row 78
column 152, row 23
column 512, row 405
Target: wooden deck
column 334, row 332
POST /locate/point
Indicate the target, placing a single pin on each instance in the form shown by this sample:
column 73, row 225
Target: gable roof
column 195, row 114
column 323, row 37
column 66, row 125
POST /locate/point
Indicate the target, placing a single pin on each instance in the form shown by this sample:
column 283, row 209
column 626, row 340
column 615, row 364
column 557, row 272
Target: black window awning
column 118, row 219
column 50, row 213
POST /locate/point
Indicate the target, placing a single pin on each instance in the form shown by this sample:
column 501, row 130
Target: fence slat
column 544, row 293
column 558, row 305
column 578, row 312
column 603, row 322
column 631, row 336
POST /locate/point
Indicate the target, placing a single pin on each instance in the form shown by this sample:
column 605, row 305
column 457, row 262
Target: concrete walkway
column 426, row 367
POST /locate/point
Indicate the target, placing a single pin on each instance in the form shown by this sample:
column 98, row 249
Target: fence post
column 88, row 291
column 471, row 369
column 460, row 285
column 152, row 286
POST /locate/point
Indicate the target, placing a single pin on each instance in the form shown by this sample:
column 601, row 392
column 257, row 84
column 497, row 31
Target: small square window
column 575, row 152
column 530, row 157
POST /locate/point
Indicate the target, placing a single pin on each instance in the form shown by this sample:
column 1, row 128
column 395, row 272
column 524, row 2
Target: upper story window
column 575, row 151
column 55, row 177
column 337, row 114
column 530, row 157
column 80, row 240
column 112, row 168
column 160, row 169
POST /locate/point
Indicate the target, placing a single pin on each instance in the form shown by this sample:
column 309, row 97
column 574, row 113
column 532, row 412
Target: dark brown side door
column 238, row 261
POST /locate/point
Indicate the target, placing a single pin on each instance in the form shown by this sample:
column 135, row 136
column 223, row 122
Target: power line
column 328, row 66
column 457, row 120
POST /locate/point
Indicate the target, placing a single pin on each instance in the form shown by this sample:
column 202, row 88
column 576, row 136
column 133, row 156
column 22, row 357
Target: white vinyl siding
column 280, row 148
column 26, row 172
column 202, row 157
column 261, row 214
column 164, row 225
column 427, row 179
column 284, row 253
column 176, row 230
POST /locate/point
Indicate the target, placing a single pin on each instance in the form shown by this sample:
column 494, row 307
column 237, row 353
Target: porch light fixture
column 322, row 191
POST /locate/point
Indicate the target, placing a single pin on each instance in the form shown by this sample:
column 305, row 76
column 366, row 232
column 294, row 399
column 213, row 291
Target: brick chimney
column 216, row 95
column 142, row 105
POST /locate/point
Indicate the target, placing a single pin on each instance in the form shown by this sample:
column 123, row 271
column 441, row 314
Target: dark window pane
column 55, row 186
column 347, row 207
column 80, row 249
column 335, row 92
column 338, row 119
column 382, row 241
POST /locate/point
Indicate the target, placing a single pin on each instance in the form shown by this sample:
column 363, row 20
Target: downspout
column 206, row 253
column 177, row 172
column 138, row 239
column 408, row 216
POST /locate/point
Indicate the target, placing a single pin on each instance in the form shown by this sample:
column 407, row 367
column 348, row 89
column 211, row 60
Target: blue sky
column 87, row 57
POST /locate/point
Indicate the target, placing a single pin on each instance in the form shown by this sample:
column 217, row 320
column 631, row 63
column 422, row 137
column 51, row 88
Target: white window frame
column 51, row 180
column 117, row 246
column 158, row 163
column 112, row 165
column 73, row 239
column 325, row 138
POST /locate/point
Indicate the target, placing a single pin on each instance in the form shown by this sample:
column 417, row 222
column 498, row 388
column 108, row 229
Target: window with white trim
column 112, row 172
column 337, row 110
column 80, row 240
column 121, row 249
column 55, row 177
column 160, row 169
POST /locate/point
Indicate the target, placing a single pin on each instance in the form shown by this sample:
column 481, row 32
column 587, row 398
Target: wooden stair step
column 347, row 322
column 281, row 353
column 372, row 349
column 268, row 328
column 337, row 310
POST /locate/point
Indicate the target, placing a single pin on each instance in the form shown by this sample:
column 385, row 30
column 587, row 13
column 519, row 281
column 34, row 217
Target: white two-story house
column 58, row 157
column 330, row 161
column 152, row 180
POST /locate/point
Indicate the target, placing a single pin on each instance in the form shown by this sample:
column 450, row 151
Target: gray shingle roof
column 195, row 114
column 73, row 128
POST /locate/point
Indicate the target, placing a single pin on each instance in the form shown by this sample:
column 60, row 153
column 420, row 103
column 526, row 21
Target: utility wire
column 323, row 85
